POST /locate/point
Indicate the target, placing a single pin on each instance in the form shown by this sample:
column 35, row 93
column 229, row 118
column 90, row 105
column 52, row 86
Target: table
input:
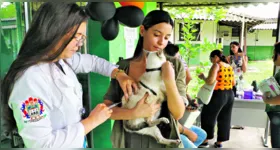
column 250, row 112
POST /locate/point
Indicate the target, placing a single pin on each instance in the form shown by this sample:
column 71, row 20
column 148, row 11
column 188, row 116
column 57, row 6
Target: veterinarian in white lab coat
column 154, row 34
column 41, row 93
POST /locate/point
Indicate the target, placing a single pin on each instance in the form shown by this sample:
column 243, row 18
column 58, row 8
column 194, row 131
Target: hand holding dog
column 128, row 85
column 143, row 110
column 168, row 73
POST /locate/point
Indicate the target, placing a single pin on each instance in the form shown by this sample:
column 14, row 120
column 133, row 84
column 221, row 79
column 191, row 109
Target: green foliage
column 9, row 11
column 190, row 50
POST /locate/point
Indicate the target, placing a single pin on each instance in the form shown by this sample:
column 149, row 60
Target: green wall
column 109, row 50
column 149, row 6
column 6, row 56
column 255, row 52
column 226, row 50
column 259, row 52
column 98, row 83
column 11, row 36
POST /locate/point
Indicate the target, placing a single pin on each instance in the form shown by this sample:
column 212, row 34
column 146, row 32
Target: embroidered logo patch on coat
column 33, row 110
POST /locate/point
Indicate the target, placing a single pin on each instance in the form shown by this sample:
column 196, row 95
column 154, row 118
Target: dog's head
column 155, row 59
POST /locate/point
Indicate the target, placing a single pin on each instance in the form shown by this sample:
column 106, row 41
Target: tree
column 190, row 50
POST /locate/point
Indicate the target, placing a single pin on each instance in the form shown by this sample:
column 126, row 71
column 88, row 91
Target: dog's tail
column 131, row 129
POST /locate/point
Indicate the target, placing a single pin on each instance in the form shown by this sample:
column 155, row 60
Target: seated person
column 194, row 136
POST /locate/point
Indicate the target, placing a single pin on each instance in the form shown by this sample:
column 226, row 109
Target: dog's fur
column 153, row 84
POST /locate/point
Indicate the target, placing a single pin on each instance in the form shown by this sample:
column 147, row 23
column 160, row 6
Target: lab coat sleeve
column 85, row 63
column 38, row 132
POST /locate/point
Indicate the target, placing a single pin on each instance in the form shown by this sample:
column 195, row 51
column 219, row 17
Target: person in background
column 220, row 106
column 194, row 136
column 273, row 103
column 238, row 60
column 41, row 97
column 173, row 50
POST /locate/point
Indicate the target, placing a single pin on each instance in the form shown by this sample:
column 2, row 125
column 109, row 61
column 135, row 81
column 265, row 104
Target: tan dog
column 152, row 83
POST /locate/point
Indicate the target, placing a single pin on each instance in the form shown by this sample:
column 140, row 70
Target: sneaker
column 216, row 145
column 204, row 145
column 237, row 127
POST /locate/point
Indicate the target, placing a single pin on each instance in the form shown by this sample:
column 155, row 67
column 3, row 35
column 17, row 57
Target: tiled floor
column 247, row 138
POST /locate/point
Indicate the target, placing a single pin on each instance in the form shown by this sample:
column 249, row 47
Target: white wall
column 261, row 38
column 209, row 31
column 264, row 37
column 229, row 38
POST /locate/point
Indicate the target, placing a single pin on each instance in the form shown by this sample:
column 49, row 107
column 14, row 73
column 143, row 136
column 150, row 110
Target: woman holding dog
column 220, row 106
column 154, row 34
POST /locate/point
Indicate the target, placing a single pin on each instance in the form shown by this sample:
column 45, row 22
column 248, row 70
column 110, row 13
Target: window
column 235, row 32
column 181, row 32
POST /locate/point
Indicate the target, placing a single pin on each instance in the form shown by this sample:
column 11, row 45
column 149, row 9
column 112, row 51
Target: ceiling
column 237, row 10
column 207, row 3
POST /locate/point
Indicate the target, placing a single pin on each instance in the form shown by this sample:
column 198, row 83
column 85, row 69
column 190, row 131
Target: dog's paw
column 164, row 120
column 147, row 101
column 176, row 143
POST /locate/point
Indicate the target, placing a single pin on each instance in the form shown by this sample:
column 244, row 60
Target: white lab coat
column 61, row 96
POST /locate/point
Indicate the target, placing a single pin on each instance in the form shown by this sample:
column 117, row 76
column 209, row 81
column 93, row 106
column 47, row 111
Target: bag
column 205, row 92
column 189, row 118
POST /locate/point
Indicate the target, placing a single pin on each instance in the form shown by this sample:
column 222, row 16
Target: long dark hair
column 237, row 44
column 53, row 26
column 276, row 50
column 171, row 49
column 219, row 54
column 154, row 17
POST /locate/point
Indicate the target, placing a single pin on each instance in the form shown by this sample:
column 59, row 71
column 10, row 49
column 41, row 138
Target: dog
column 151, row 82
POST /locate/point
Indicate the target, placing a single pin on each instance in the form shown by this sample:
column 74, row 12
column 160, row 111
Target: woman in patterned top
column 220, row 106
column 238, row 60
